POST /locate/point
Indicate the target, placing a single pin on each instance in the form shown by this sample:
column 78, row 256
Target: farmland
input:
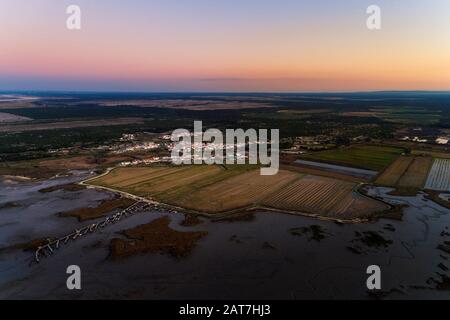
column 7, row 117
column 359, row 156
column 406, row 173
column 237, row 192
column 166, row 182
column 217, row 190
column 64, row 124
column 434, row 154
column 296, row 167
column 325, row 197
column 407, row 115
column 154, row 181
column 439, row 177
column 349, row 171
column 417, row 173
column 393, row 173
column 401, row 115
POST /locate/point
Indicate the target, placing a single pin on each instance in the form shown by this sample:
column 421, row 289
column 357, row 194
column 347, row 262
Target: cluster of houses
column 144, row 146
column 299, row 144
column 150, row 160
column 439, row 140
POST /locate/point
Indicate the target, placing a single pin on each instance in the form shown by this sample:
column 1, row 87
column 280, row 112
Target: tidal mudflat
column 272, row 255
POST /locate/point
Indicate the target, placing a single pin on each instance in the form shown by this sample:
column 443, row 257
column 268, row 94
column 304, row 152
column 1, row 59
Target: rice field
column 325, row 197
column 355, row 172
column 439, row 177
column 394, row 172
column 434, row 154
column 166, row 182
column 237, row 192
column 417, row 173
column 151, row 181
column 370, row 157
column 406, row 172
column 218, row 190
column 123, row 177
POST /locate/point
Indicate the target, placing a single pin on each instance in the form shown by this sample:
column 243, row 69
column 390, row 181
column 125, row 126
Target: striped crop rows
column 322, row 196
column 439, row 177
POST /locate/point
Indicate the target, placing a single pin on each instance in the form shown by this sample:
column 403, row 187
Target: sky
column 224, row 46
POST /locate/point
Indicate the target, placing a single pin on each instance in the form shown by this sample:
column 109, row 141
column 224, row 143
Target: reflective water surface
column 264, row 257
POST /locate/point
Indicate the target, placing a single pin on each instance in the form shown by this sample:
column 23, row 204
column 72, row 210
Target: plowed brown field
column 417, row 173
column 393, row 173
column 325, row 197
column 236, row 192
column 406, row 172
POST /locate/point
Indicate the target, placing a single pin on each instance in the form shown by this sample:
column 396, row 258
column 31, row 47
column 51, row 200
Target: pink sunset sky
column 247, row 45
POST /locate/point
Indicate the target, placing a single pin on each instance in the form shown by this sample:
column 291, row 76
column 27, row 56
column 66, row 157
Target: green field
column 365, row 157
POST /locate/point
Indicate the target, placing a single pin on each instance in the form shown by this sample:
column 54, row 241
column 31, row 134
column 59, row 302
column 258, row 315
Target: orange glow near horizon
column 337, row 53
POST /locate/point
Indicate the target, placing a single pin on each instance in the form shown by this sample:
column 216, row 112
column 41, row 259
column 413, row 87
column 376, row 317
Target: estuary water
column 272, row 256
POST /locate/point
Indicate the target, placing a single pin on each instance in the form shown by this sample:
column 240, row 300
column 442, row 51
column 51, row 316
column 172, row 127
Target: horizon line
column 220, row 92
